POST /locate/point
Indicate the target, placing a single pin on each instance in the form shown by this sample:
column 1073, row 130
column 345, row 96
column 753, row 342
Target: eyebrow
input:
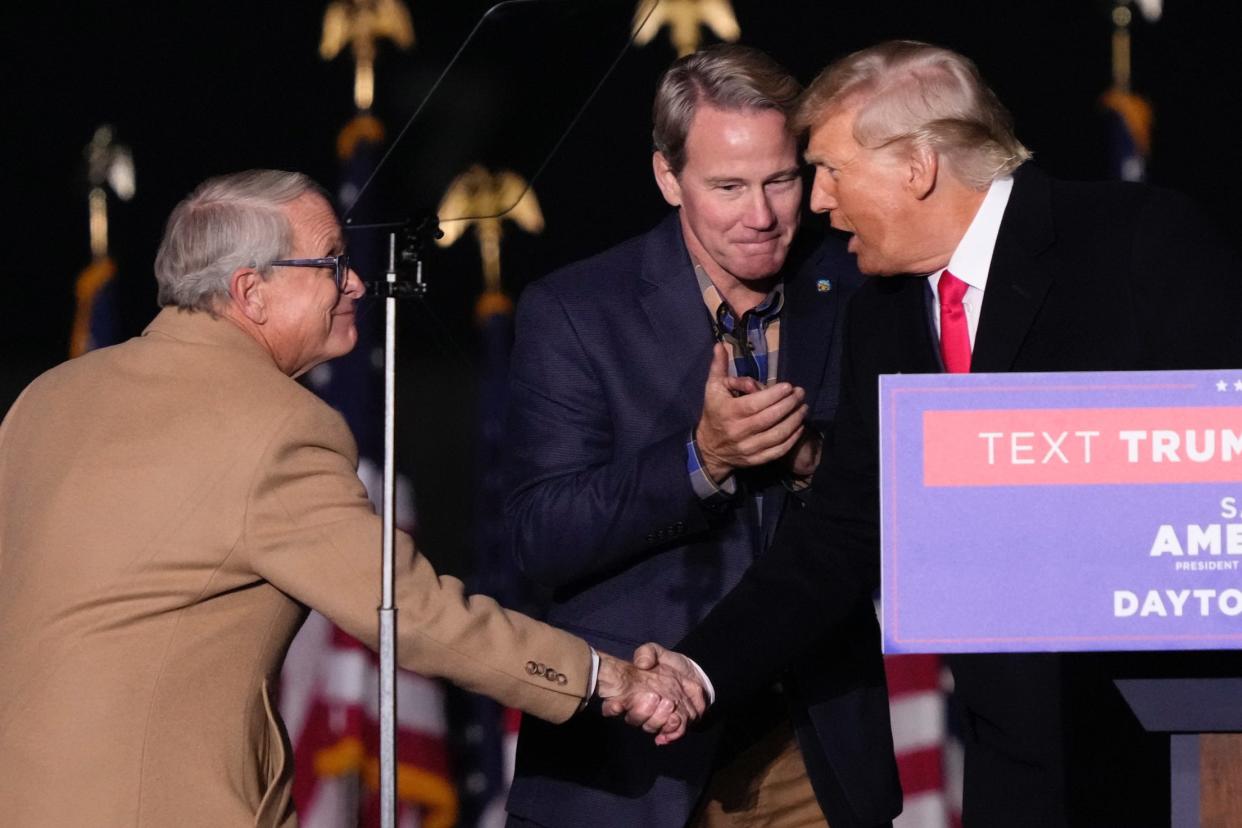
column 788, row 172
column 336, row 244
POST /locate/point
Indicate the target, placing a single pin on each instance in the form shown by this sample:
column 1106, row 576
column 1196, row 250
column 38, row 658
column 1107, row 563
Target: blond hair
column 914, row 93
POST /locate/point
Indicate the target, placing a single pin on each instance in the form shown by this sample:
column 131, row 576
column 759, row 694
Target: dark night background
column 197, row 89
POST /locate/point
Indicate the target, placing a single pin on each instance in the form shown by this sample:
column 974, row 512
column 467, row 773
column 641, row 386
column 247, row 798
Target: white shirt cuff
column 704, row 680
column 592, row 680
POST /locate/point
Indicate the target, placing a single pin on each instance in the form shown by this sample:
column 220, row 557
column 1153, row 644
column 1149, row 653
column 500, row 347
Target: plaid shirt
column 754, row 341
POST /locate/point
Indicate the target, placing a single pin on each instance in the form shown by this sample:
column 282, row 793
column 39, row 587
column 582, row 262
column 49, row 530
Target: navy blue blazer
column 1084, row 277
column 606, row 386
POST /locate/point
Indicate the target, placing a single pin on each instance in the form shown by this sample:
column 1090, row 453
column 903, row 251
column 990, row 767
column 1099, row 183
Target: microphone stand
column 405, row 248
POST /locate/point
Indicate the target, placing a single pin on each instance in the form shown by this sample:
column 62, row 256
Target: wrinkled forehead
column 314, row 223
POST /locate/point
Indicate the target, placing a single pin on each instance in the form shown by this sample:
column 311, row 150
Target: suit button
column 531, row 667
column 560, row 679
column 551, row 675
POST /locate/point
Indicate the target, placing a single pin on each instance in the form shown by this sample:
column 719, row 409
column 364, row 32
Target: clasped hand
column 660, row 692
column 744, row 424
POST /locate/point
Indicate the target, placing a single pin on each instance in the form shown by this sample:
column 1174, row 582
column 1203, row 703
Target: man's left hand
column 803, row 458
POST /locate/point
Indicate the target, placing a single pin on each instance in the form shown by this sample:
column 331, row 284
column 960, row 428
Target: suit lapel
column 1017, row 281
column 807, row 328
column 912, row 325
column 670, row 298
column 807, row 325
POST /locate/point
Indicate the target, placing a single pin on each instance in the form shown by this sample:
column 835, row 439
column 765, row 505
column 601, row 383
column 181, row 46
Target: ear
column 247, row 294
column 924, row 168
column 666, row 179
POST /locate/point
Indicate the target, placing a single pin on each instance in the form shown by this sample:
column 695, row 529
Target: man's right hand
column 660, row 700
column 748, row 430
column 653, row 657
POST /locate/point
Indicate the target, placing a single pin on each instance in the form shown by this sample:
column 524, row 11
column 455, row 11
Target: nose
column 759, row 213
column 354, row 288
column 823, row 192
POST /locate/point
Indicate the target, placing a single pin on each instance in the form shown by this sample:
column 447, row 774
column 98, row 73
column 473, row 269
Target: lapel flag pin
column 823, row 285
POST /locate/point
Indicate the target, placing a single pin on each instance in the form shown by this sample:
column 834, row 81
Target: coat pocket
column 276, row 806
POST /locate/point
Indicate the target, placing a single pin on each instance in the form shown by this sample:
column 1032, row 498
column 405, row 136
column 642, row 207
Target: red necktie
column 954, row 333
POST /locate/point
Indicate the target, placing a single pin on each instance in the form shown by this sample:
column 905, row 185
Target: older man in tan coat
column 169, row 509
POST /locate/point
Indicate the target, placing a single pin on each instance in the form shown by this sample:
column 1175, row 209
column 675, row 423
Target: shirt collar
column 973, row 257
column 770, row 307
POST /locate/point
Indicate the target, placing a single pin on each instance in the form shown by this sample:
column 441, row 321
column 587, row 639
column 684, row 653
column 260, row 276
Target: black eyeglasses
column 339, row 265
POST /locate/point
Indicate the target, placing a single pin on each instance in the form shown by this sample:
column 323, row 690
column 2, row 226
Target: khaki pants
column 763, row 786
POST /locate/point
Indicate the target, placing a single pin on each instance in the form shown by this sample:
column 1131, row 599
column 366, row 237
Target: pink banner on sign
column 1058, row 446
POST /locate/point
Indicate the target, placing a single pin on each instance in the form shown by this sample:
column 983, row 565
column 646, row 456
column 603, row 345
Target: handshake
column 661, row 691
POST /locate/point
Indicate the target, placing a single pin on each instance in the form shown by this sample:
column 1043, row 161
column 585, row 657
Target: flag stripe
column 918, row 721
column 912, row 674
column 349, row 677
column 921, row 770
column 925, row 810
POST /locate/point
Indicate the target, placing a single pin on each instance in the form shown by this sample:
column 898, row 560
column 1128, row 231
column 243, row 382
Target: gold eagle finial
column 109, row 167
column 359, row 24
column 685, row 19
column 484, row 200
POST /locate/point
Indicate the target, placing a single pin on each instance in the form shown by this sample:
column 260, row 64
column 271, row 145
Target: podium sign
column 1061, row 512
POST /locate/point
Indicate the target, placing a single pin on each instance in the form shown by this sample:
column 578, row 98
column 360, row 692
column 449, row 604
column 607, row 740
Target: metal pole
column 387, row 612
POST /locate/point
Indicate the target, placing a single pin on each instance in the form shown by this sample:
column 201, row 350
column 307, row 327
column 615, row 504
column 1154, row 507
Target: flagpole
column 1121, row 45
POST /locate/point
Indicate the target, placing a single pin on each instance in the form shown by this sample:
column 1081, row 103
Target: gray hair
column 727, row 76
column 228, row 222
column 922, row 95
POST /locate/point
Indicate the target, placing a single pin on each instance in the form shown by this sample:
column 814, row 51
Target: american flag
column 929, row 755
column 329, row 701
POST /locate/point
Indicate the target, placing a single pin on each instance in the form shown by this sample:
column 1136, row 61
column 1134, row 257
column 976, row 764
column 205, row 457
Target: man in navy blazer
column 916, row 158
column 668, row 400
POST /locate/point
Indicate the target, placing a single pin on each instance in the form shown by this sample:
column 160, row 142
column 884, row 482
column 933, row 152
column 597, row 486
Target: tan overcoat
column 169, row 508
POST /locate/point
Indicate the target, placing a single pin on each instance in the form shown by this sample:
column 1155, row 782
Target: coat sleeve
column 577, row 507
column 311, row 532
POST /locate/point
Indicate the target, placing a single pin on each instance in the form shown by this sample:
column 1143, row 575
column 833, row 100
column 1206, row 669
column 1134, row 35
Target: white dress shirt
column 973, row 257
